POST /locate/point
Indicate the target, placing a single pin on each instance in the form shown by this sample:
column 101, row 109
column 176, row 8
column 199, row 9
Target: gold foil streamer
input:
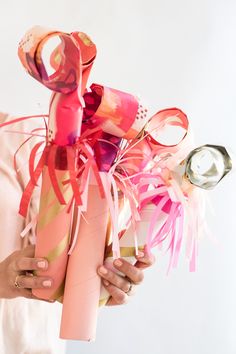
column 58, row 250
column 124, row 251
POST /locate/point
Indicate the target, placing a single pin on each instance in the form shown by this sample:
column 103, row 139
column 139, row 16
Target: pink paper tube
column 82, row 288
column 53, row 234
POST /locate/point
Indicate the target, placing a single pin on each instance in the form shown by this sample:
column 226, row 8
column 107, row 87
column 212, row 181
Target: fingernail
column 118, row 263
column 103, row 270
column 140, row 254
column 47, row 283
column 105, row 282
column 41, row 264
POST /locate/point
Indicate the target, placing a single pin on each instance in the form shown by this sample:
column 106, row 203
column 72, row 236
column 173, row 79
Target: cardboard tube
column 82, row 288
column 52, row 235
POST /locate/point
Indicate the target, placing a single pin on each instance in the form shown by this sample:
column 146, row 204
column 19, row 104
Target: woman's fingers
column 118, row 297
column 23, row 280
column 17, row 277
column 26, row 263
column 144, row 260
column 130, row 271
column 24, row 260
column 112, row 278
column 32, row 282
column 131, row 274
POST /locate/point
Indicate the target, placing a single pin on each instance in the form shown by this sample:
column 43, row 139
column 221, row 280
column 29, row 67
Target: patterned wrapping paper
column 109, row 187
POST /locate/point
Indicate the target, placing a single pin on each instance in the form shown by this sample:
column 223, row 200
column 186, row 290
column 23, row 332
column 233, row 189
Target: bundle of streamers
column 109, row 187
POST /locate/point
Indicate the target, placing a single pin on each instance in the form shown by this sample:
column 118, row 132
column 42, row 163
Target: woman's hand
column 16, row 277
column 119, row 287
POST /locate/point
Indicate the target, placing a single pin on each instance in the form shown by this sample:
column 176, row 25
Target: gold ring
column 16, row 282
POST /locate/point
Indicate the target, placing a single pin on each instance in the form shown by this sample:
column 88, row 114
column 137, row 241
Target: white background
column 172, row 53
